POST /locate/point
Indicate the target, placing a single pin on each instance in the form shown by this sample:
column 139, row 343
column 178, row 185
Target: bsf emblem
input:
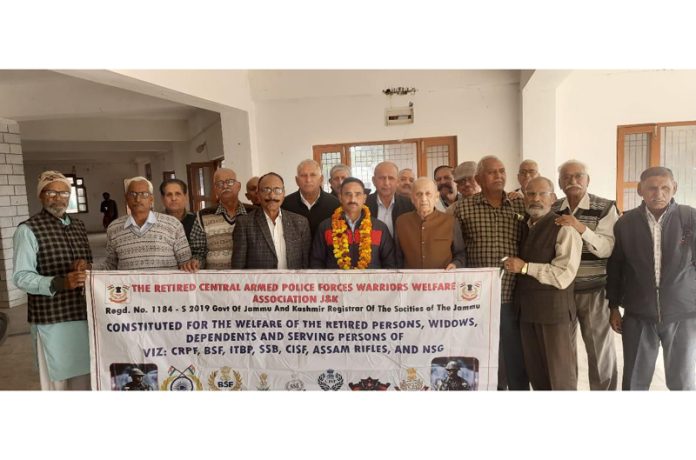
column 117, row 294
column 470, row 291
column 330, row 380
column 222, row 380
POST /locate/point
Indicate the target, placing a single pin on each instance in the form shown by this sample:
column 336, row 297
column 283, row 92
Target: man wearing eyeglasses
column 593, row 218
column 218, row 222
column 146, row 239
column 543, row 297
column 51, row 254
column 269, row 237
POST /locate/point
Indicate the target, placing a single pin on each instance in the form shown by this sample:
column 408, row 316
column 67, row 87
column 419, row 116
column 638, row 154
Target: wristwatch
column 525, row 267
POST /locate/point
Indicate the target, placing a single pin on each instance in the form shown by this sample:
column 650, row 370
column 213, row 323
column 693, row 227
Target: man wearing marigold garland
column 351, row 239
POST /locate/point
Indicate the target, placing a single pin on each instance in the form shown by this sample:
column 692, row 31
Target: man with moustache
column 492, row 229
column 406, row 179
column 652, row 275
column 529, row 169
column 546, row 267
column 51, row 254
column 218, row 222
column 385, row 205
column 146, row 239
column 337, row 175
column 252, row 195
column 466, row 182
column 593, row 218
column 444, row 179
column 352, row 239
column 428, row 237
column 269, row 237
column 310, row 200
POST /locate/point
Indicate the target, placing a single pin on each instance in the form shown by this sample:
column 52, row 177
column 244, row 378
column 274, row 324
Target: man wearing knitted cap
column 51, row 254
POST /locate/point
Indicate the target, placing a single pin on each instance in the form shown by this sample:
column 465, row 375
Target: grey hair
column 308, row 162
column 574, row 162
column 482, row 161
column 541, row 178
column 340, row 167
column 139, row 179
column 403, row 171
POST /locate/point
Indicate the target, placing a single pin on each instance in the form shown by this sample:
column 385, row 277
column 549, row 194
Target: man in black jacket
column 385, row 204
column 652, row 275
column 310, row 200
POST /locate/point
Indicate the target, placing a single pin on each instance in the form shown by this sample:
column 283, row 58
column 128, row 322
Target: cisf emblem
column 222, row 380
column 470, row 291
column 412, row 382
column 185, row 380
column 117, row 294
column 330, row 380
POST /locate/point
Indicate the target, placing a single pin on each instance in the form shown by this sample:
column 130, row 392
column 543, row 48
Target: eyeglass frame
column 137, row 195
column 55, row 193
column 275, row 190
column 227, row 182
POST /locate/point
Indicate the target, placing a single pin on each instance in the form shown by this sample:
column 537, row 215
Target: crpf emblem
column 117, row 294
column 185, row 380
column 330, row 380
column 470, row 291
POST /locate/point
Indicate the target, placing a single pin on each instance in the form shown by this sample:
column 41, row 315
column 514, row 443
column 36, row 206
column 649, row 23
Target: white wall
column 99, row 178
column 295, row 110
column 591, row 104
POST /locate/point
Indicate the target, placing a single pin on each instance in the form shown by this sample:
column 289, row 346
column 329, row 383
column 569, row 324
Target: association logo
column 470, row 291
column 295, row 384
column 185, row 380
column 369, row 384
column 117, row 294
column 222, row 380
column 412, row 382
column 263, row 382
column 330, row 380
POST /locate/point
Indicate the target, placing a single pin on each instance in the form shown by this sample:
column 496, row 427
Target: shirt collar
column 306, row 203
column 391, row 205
column 222, row 210
column 151, row 219
column 278, row 219
column 584, row 202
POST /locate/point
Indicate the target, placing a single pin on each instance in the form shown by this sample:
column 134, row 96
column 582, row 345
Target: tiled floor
column 18, row 372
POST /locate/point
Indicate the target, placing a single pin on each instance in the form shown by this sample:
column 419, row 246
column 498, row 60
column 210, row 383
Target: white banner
column 294, row 330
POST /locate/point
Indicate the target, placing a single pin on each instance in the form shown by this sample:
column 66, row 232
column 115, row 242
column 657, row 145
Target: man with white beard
column 51, row 254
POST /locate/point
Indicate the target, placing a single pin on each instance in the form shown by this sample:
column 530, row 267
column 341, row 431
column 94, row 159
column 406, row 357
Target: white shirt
column 656, row 232
column 561, row 271
column 600, row 242
column 278, row 239
column 384, row 213
column 149, row 222
column 307, row 203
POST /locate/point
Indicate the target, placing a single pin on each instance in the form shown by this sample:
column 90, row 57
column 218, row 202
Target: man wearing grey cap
column 51, row 254
column 464, row 177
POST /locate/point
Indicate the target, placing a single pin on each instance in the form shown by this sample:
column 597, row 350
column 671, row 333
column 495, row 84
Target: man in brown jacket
column 428, row 238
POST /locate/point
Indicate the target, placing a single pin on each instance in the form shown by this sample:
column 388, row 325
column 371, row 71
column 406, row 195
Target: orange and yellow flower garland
column 341, row 248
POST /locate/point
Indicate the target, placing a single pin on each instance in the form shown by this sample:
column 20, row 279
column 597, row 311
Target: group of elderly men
column 563, row 261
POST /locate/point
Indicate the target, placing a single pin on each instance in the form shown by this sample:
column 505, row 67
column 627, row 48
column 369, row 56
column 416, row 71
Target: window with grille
column 672, row 145
column 421, row 155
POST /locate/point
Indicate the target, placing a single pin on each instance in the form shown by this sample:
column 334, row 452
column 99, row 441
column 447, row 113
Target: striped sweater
column 163, row 246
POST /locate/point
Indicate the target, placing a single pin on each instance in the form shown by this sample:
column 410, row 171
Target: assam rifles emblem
column 412, row 382
column 117, row 294
column 369, row 384
column 295, row 384
column 222, row 380
column 185, row 380
column 263, row 382
column 330, row 380
column 470, row 291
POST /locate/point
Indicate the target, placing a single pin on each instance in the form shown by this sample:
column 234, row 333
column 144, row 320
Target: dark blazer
column 253, row 244
column 401, row 205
